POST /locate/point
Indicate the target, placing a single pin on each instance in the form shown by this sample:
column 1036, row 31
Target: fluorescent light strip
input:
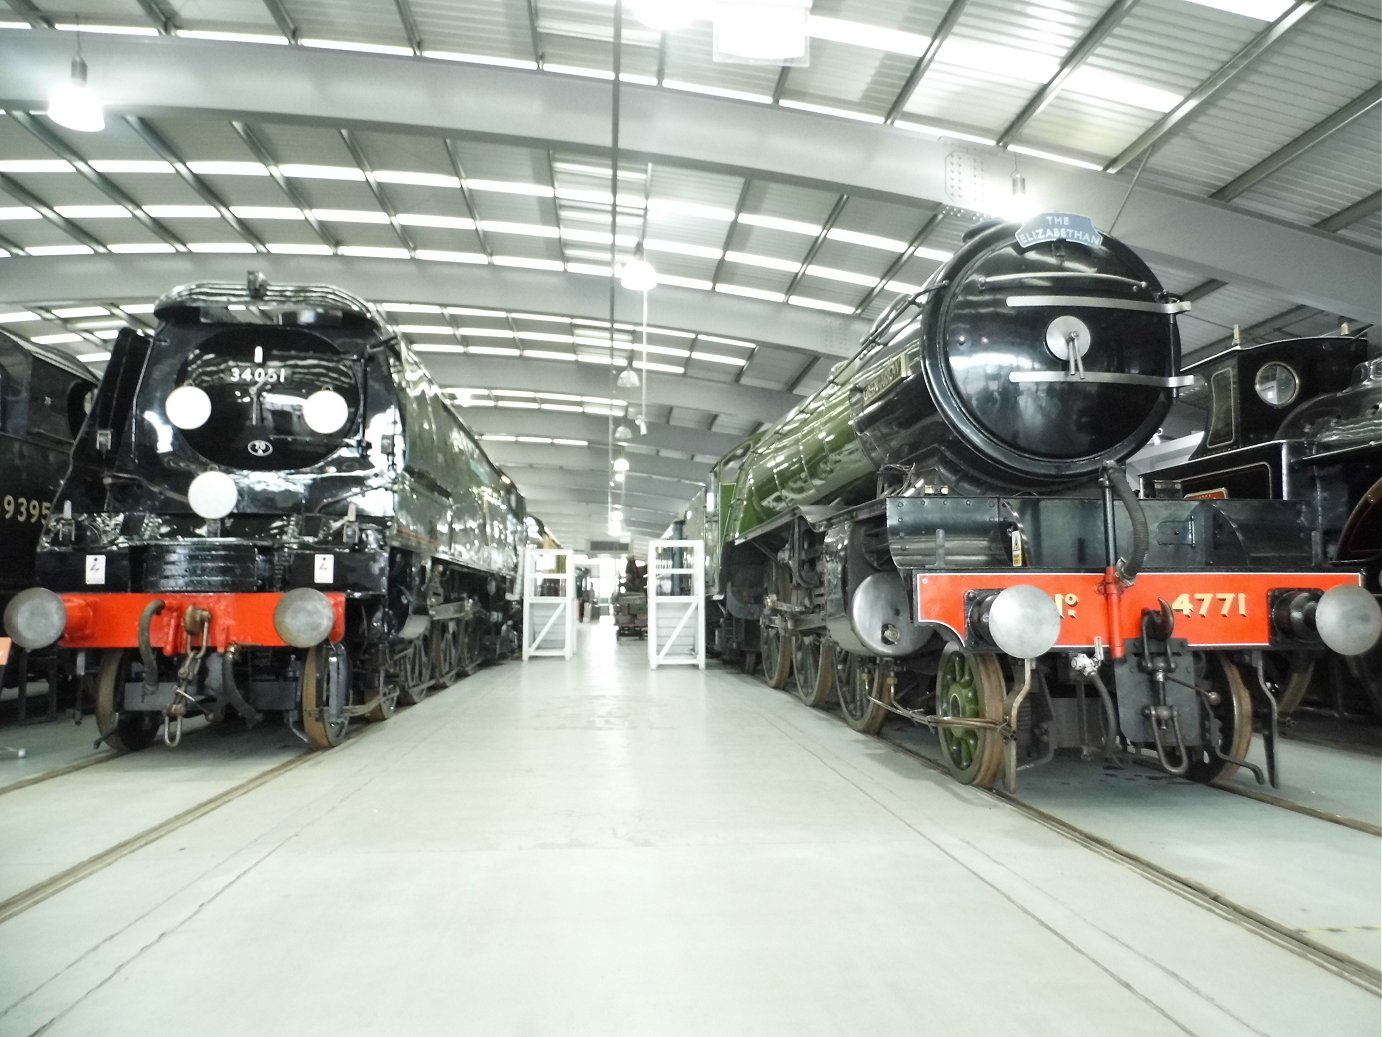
column 893, row 41
column 750, row 293
column 72, row 312
column 481, row 59
column 231, row 37
column 416, row 219
column 220, row 168
column 716, row 91
column 56, row 340
column 854, row 237
column 18, row 317
column 182, row 212
column 442, row 256
column 351, row 216
column 838, row 113
column 308, row 171
column 943, row 134
column 267, row 212
column 293, row 248
column 678, row 248
column 60, row 250
column 107, row 30
column 843, row 276
column 19, row 212
column 359, row 48
column 373, row 252
column 36, row 165
column 577, row 70
column 819, row 304
column 778, row 223
column 120, row 165
column 220, row 247
column 93, row 358
column 1259, row 10
column 789, row 266
column 403, row 176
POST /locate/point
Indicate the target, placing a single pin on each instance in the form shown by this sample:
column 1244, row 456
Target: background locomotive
column 43, row 401
column 943, row 530
column 1299, row 419
column 272, row 508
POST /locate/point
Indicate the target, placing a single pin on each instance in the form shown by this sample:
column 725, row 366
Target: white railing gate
column 549, row 603
column 676, row 603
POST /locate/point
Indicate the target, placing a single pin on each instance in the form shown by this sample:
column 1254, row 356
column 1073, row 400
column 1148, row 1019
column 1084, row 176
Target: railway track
column 1357, row 972
column 36, row 894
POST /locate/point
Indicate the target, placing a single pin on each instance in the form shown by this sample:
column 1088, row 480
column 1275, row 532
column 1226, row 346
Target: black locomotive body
column 944, row 530
column 43, row 401
column 272, row 509
column 1300, row 420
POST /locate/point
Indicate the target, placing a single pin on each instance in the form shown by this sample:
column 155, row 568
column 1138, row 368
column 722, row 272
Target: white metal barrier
column 549, row 603
column 676, row 603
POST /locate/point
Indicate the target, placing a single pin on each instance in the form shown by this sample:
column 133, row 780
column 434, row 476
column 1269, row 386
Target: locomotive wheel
column 971, row 686
column 471, row 640
column 1234, row 716
column 857, row 695
column 813, row 668
column 777, row 655
column 324, row 718
column 417, row 670
column 1293, row 693
column 444, row 659
column 125, row 731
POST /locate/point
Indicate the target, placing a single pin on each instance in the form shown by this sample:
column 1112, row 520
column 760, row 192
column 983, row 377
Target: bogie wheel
column 1293, row 690
column 471, row 642
column 971, row 687
column 124, row 730
column 813, row 668
column 1231, row 723
column 861, row 695
column 324, row 692
column 444, row 655
column 417, row 671
column 777, row 655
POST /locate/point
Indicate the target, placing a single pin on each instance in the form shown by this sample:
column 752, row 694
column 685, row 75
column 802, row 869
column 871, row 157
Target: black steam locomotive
column 43, row 400
column 272, row 508
column 1298, row 419
column 944, row 530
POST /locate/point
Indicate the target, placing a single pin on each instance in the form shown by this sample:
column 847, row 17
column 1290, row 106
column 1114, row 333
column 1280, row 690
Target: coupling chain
column 196, row 622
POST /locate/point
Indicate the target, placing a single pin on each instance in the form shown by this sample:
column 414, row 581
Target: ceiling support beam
column 1274, row 162
column 260, row 151
column 95, row 278
column 21, row 194
column 1157, row 133
column 410, row 29
column 529, row 455
column 163, row 75
column 1098, row 32
column 283, row 20
column 165, row 151
column 59, row 147
column 664, row 390
column 1347, row 217
column 595, row 431
column 927, row 59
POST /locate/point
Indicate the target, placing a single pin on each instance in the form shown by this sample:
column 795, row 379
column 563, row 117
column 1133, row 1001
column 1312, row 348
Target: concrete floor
column 589, row 848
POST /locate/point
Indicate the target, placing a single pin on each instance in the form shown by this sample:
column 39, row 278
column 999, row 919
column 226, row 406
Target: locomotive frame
column 309, row 528
column 944, row 531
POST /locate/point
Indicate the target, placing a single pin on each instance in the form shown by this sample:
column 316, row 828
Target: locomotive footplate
column 113, row 620
column 1211, row 609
